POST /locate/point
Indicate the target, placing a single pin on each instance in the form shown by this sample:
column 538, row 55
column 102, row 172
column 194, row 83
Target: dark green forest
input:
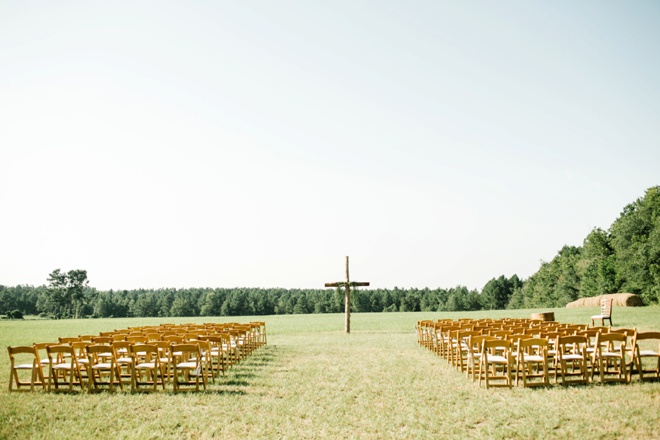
column 624, row 258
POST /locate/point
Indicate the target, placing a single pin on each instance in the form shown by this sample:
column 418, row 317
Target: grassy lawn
column 314, row 381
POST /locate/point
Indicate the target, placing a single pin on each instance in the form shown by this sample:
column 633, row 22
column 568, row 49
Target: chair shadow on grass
column 241, row 377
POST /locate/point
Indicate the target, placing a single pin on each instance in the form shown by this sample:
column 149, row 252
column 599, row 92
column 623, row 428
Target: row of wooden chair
column 499, row 351
column 248, row 337
column 111, row 360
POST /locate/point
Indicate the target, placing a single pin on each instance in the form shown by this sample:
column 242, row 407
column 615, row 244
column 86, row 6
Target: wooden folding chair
column 146, row 368
column 205, row 349
column 261, row 332
column 445, row 346
column 217, row 355
column 105, row 340
column 610, row 357
column 532, row 362
column 571, row 361
column 124, row 359
column 63, row 368
column 187, row 366
column 647, row 347
column 40, row 347
column 460, row 347
column 102, row 363
column 474, row 354
column 495, row 364
column 25, row 359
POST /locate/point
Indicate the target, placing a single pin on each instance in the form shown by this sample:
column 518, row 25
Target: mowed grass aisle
column 314, row 381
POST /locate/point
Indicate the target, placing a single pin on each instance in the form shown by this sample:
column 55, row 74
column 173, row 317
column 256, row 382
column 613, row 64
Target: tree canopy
column 64, row 297
column 624, row 258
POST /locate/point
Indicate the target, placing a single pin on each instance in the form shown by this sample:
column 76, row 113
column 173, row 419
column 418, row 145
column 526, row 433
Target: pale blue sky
column 257, row 143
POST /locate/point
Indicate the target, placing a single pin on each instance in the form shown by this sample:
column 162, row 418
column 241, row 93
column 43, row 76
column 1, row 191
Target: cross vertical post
column 347, row 299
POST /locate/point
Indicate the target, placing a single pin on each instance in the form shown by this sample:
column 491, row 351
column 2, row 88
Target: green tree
column 103, row 306
column 517, row 299
column 454, row 302
column 65, row 295
column 597, row 267
column 636, row 243
column 212, row 304
column 145, row 304
column 567, row 286
column 495, row 294
column 301, row 306
column 7, row 300
column 182, row 304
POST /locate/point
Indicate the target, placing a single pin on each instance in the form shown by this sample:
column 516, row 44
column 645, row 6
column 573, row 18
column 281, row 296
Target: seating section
column 495, row 352
column 499, row 352
column 146, row 358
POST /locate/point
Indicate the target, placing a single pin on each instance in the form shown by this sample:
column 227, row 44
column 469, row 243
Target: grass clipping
column 620, row 299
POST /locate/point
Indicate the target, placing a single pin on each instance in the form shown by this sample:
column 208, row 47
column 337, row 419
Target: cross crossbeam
column 347, row 285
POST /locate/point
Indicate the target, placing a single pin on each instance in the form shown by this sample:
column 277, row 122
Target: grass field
column 314, row 381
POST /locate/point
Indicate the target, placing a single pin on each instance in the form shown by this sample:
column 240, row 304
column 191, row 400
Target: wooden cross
column 347, row 285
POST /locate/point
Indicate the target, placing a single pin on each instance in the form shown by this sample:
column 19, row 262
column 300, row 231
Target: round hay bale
column 576, row 303
column 619, row 299
column 593, row 301
column 544, row 316
column 625, row 299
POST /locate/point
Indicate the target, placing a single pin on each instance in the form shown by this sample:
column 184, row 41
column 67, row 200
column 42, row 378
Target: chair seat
column 572, row 357
column 146, row 365
column 102, row 366
column 66, row 366
column 532, row 358
column 187, row 365
column 497, row 359
column 649, row 353
column 610, row 354
column 24, row 366
column 599, row 317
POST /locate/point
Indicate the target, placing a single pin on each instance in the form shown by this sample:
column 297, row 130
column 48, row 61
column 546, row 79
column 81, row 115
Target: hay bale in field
column 576, row 303
column 544, row 316
column 620, row 299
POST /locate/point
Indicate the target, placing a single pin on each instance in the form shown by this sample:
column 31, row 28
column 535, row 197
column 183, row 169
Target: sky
column 258, row 143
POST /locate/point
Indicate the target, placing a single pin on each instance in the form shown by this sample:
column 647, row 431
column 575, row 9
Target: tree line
column 624, row 258
column 237, row 301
